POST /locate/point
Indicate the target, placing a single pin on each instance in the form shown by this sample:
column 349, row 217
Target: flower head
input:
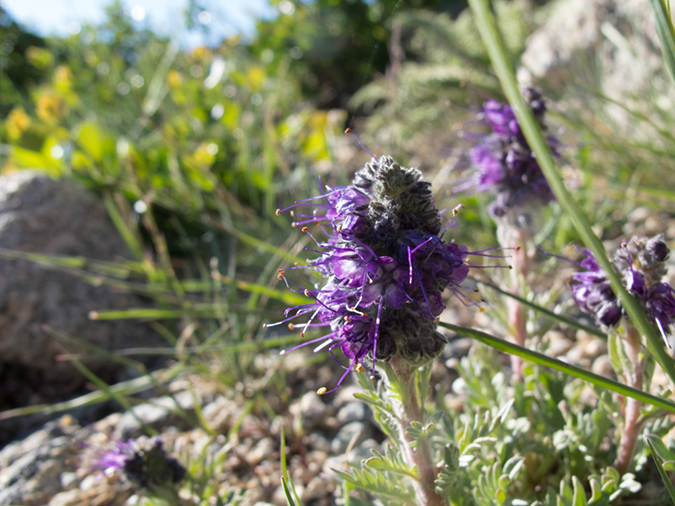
column 641, row 263
column 383, row 267
column 142, row 461
column 503, row 162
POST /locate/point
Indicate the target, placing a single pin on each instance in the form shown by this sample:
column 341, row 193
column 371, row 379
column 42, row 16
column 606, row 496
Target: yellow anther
column 321, row 391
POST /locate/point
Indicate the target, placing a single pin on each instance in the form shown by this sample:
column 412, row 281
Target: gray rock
column 316, row 441
column 353, row 458
column 30, row 470
column 159, row 414
column 354, row 411
column 41, row 215
column 262, row 450
column 309, row 412
column 316, row 489
column 353, row 431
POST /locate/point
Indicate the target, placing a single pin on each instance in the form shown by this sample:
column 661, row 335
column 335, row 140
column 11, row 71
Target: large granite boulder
column 42, row 215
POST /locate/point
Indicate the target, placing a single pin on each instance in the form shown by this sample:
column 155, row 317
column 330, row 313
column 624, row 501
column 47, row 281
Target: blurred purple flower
column 503, row 162
column 141, row 461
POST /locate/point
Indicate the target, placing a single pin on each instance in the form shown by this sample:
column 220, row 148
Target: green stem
column 501, row 62
column 401, row 376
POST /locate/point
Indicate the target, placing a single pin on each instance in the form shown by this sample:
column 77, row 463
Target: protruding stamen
column 349, row 131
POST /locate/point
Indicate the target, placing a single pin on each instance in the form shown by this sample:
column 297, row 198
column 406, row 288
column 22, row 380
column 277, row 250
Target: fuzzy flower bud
column 384, row 267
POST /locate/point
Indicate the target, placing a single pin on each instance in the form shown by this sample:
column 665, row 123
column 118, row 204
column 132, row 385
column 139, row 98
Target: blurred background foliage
column 197, row 146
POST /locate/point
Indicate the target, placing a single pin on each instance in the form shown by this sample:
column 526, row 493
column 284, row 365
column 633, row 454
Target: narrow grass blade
column 560, row 318
column 666, row 32
column 129, row 237
column 257, row 243
column 501, row 62
column 563, row 367
column 124, row 388
column 662, row 472
column 117, row 396
column 284, row 474
column 287, row 493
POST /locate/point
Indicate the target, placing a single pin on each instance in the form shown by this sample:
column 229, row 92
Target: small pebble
column 603, row 366
column 354, row 411
column 353, row 431
column 316, row 489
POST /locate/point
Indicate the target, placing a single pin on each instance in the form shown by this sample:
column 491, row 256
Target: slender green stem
column 500, row 60
column 401, row 376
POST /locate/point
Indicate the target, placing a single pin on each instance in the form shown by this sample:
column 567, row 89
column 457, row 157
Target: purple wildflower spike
column 142, row 461
column 503, row 162
column 641, row 263
column 384, row 267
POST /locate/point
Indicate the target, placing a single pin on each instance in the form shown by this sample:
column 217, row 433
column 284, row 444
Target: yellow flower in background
column 50, row 108
column 174, row 78
column 201, row 53
column 63, row 78
column 17, row 123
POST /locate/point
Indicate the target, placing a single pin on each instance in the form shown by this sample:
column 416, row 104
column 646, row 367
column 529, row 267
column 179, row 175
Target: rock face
column 610, row 46
column 41, row 215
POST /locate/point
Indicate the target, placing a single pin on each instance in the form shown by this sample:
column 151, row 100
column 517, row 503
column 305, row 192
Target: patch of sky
column 213, row 19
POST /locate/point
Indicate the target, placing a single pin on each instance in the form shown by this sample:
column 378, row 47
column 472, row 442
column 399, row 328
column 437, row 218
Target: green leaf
column 561, row 366
column 91, row 140
column 378, row 483
column 579, row 498
column 391, row 461
column 287, row 493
